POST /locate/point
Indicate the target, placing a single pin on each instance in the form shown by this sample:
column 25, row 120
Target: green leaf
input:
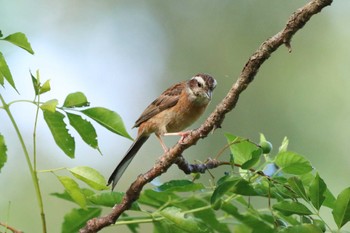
column 20, row 40
column 35, row 82
column 307, row 178
column 59, row 132
column 45, row 87
column 185, row 222
column 284, row 146
column 90, row 176
column 65, row 195
column 180, row 186
column 77, row 218
column 330, row 199
column 5, row 72
column 277, row 190
column 298, row 187
column 37, row 85
column 244, row 152
column 223, row 189
column 304, row 228
column 235, row 185
column 317, row 192
column 207, row 215
column 320, row 224
column 107, row 199
column 156, row 199
column 289, row 208
column 165, row 225
column 108, row 119
column 292, row 163
column 2, row 82
column 3, row 149
column 50, row 105
column 244, row 188
column 110, row 199
column 254, row 222
column 73, row 190
column 341, row 210
column 77, row 99
column 85, row 129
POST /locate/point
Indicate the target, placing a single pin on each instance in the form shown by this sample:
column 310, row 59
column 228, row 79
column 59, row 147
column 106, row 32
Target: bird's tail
column 119, row 170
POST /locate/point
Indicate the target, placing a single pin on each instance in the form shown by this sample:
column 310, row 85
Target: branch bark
column 296, row 21
column 7, row 227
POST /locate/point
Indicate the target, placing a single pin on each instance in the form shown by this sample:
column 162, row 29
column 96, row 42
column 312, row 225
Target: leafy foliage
column 77, row 102
column 292, row 202
column 19, row 39
column 74, row 107
column 77, row 218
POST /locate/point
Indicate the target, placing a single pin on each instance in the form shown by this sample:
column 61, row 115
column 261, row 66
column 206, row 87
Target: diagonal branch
column 296, row 21
column 7, row 227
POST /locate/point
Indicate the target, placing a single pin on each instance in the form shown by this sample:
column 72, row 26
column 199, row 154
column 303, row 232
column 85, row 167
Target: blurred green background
column 122, row 54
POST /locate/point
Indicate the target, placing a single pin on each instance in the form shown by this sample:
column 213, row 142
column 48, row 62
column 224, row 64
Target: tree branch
column 7, row 227
column 296, row 21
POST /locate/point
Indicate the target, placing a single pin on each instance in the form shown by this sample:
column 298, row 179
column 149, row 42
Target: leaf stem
column 197, row 209
column 137, row 220
column 34, row 133
column 21, row 101
column 51, row 170
column 29, row 164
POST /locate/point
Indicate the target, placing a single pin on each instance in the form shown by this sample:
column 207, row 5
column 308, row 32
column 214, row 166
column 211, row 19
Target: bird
column 174, row 110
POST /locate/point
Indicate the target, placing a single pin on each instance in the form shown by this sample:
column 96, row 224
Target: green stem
column 137, row 220
column 197, row 209
column 29, row 164
column 21, row 101
column 34, row 133
column 51, row 170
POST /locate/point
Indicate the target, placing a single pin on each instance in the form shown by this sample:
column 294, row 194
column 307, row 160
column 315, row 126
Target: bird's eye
column 199, row 84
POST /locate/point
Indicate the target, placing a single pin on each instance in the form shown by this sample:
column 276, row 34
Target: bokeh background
column 122, row 54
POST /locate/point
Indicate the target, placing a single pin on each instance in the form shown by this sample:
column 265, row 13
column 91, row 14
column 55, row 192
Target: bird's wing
column 166, row 100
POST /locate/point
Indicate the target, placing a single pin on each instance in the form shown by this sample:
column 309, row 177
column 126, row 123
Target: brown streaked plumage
column 174, row 110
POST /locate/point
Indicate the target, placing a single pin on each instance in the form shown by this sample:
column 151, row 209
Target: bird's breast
column 183, row 114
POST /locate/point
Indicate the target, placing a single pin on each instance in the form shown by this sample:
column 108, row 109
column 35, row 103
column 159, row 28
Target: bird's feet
column 183, row 135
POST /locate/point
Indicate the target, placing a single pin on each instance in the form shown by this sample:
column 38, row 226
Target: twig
column 188, row 168
column 296, row 21
column 10, row 228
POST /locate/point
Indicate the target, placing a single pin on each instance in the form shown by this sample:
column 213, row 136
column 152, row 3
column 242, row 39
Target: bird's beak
column 209, row 94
